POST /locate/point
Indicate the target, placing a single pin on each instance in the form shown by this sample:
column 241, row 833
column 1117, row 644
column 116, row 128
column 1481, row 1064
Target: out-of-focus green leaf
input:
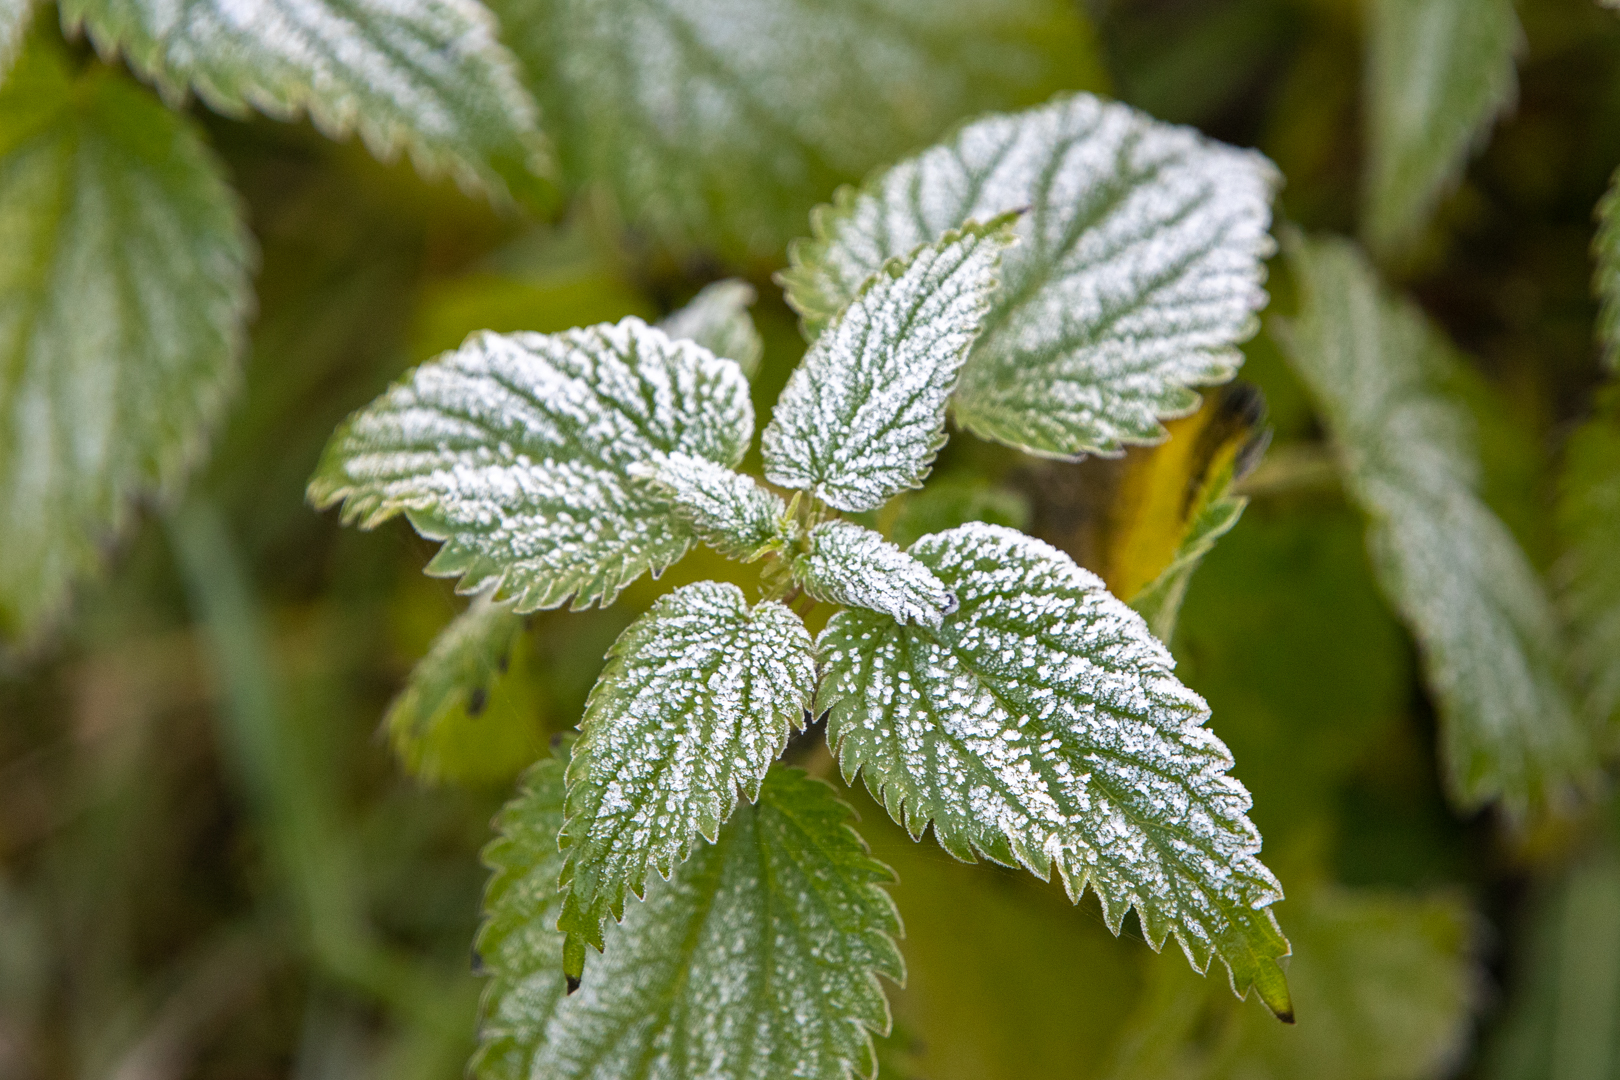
column 1138, row 270
column 1160, row 601
column 717, row 318
column 461, row 717
column 1439, row 72
column 949, row 501
column 1491, row 644
column 426, row 76
column 15, row 16
column 1040, row 725
column 123, row 287
column 698, row 698
column 757, row 959
column 1564, row 1021
column 721, row 123
column 516, row 449
column 1606, row 279
column 1589, row 526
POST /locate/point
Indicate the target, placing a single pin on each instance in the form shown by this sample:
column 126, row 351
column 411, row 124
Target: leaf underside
column 124, row 281
column 1488, row 634
column 722, row 124
column 1139, row 267
column 698, row 698
column 717, row 318
column 852, row 565
column 863, row 415
column 756, row 960
column 515, row 450
column 1041, row 725
column 728, row 511
column 1439, row 74
column 430, row 77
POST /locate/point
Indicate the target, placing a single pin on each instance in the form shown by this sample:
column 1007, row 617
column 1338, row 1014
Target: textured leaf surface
column 864, row 414
column 1606, row 281
column 123, row 284
column 756, row 960
column 451, row 721
column 697, row 700
column 717, row 318
column 1490, row 641
column 1439, row 74
column 728, row 511
column 850, row 564
column 1041, row 724
column 515, row 450
column 722, row 122
column 1139, row 266
column 427, row 76
column 1589, row 526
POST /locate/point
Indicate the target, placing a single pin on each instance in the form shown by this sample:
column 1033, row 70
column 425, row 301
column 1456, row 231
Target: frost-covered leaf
column 1439, row 74
column 864, row 414
column 1490, row 643
column 123, row 284
column 698, row 698
column 728, row 511
column 1606, row 280
column 1041, row 724
column 456, row 719
column 15, row 16
column 717, row 318
column 849, row 564
column 1589, row 527
column 427, row 76
column 515, row 450
column 1138, row 271
column 722, row 122
column 757, row 960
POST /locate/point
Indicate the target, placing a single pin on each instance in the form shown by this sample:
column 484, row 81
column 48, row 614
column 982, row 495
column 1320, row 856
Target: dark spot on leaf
column 504, row 663
column 477, row 700
column 478, row 963
column 573, row 983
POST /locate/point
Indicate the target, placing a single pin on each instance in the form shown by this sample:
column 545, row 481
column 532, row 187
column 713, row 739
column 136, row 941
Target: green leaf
column 427, row 76
column 1138, row 272
column 1439, row 74
column 756, row 960
column 717, row 318
column 849, row 564
column 721, row 124
column 1159, row 602
column 15, row 15
column 1606, row 280
column 728, row 511
column 124, row 280
column 956, row 500
column 515, row 450
column 1490, row 642
column 453, row 720
column 1589, row 526
column 863, row 415
column 1041, row 724
column 698, row 698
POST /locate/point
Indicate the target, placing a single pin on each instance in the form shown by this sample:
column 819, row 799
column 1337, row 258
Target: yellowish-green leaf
column 15, row 16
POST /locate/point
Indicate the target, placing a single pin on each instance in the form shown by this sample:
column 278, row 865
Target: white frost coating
column 428, row 75
column 1490, row 639
column 515, row 450
column 728, row 511
column 123, row 284
column 850, row 564
column 757, row 960
column 864, row 414
column 697, row 700
column 717, row 318
column 1139, row 268
column 1041, row 724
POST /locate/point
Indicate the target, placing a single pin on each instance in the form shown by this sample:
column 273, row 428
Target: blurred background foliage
column 212, row 865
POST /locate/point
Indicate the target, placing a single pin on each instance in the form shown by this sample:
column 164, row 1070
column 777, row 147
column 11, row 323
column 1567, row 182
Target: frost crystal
column 1041, row 724
column 430, row 76
column 1489, row 636
column 850, row 564
column 728, row 511
column 697, row 700
column 717, row 318
column 1139, row 266
column 515, row 450
column 757, row 960
column 863, row 416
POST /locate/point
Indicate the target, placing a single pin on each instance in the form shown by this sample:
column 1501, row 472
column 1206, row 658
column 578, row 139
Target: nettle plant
column 1056, row 280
